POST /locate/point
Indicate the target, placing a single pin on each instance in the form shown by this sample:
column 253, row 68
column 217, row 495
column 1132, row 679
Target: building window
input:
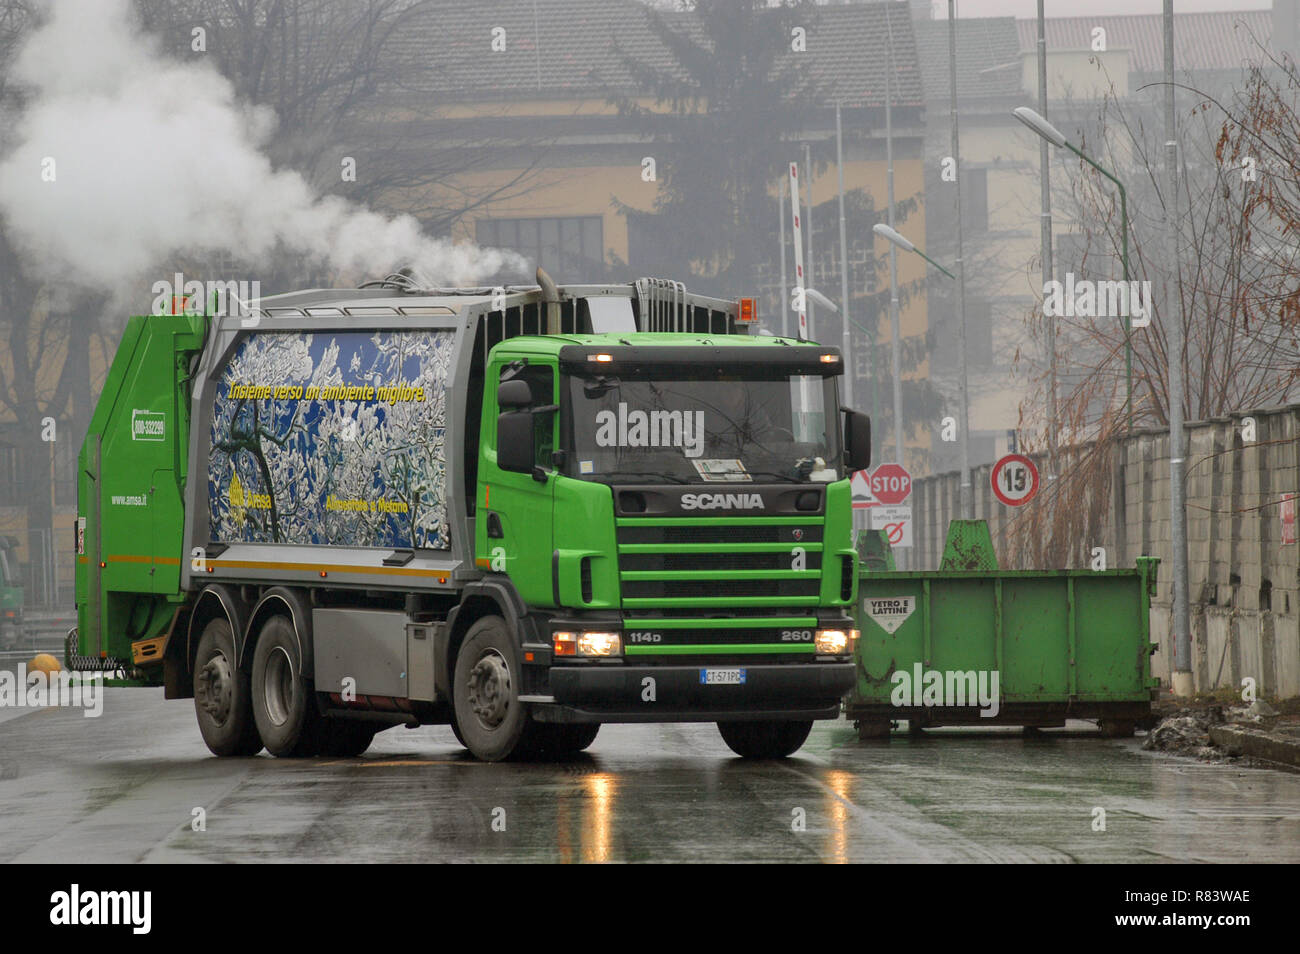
column 571, row 249
column 15, row 491
column 826, row 279
column 9, row 474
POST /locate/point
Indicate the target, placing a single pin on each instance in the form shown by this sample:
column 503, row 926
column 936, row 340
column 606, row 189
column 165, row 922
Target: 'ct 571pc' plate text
column 722, row 677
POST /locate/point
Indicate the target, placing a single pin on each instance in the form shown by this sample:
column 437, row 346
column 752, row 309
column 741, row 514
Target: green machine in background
column 11, row 595
column 972, row 644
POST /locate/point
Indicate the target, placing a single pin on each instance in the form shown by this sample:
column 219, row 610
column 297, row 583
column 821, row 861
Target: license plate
column 722, row 677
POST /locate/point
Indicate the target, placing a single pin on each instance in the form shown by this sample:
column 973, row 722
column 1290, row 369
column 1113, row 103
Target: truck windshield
column 732, row 428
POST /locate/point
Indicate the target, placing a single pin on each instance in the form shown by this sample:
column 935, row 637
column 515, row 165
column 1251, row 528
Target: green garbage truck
column 521, row 511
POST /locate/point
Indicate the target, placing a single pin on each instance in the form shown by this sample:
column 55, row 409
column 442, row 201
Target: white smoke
column 151, row 157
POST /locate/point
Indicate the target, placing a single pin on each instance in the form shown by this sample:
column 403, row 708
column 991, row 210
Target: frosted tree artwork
column 332, row 439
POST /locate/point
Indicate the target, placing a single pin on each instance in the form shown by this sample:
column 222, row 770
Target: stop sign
column 891, row 483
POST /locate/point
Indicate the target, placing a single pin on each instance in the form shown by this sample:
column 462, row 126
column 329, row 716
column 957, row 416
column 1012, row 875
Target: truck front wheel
column 492, row 721
column 222, row 696
column 764, row 740
column 560, row 739
column 284, row 704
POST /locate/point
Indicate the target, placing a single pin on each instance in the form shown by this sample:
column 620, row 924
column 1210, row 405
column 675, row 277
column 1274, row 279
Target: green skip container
column 971, row 644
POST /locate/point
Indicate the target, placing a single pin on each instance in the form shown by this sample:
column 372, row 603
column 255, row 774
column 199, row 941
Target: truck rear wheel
column 222, row 695
column 492, row 721
column 345, row 738
column 284, row 703
column 764, row 740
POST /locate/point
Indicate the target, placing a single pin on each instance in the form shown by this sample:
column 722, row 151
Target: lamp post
column 1182, row 675
column 889, row 234
column 1054, row 136
column 844, row 262
column 1045, row 236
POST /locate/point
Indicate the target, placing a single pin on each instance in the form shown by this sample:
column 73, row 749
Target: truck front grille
column 688, row 582
column 705, row 588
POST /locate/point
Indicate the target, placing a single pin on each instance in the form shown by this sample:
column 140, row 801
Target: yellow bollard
column 44, row 662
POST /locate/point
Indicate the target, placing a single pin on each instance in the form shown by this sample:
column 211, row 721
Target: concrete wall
column 1243, row 581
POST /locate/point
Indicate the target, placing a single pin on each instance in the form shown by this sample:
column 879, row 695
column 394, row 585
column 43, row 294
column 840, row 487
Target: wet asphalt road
column 123, row 788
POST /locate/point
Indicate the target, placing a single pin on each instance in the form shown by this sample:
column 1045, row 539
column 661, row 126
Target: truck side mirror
column 515, row 438
column 514, row 394
column 857, row 440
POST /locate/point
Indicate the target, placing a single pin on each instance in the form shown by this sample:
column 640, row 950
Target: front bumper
column 675, row 693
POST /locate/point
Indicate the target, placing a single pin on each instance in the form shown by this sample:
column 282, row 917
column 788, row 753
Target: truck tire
column 284, row 703
column 549, row 740
column 345, row 738
column 455, row 730
column 492, row 721
column 223, row 697
column 764, row 740
column 566, row 739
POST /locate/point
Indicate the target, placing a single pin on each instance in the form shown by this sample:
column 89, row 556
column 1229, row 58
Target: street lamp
column 822, row 300
column 885, row 232
column 1054, row 136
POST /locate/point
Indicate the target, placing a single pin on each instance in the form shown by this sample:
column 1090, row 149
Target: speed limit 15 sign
column 1014, row 479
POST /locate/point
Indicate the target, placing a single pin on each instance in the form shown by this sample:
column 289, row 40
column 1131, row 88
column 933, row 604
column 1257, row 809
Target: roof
column 1202, row 41
column 988, row 58
column 576, row 48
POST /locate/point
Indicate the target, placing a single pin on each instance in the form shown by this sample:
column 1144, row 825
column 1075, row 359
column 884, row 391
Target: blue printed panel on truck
column 332, row 438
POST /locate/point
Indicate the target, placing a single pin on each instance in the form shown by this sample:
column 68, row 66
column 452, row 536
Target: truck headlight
column 835, row 642
column 600, row 644
column 587, row 644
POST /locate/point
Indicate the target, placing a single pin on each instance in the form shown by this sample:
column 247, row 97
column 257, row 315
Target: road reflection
column 588, row 827
column 587, row 811
column 838, row 798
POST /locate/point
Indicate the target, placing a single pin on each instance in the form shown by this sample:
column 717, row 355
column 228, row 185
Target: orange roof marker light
column 748, row 310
